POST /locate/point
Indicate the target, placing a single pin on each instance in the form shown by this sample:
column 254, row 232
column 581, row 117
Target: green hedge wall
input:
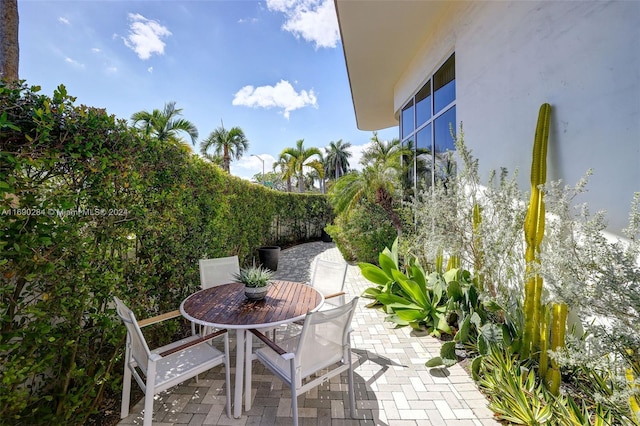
column 89, row 209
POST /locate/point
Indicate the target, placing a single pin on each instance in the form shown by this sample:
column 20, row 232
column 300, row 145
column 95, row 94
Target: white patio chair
column 321, row 350
column 168, row 365
column 215, row 272
column 329, row 279
column 218, row 271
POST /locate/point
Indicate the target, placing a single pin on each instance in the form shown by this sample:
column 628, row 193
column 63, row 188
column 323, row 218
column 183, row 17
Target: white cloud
column 282, row 95
column 150, row 70
column 111, row 70
column 313, row 20
column 64, row 20
column 96, row 50
column 73, row 62
column 145, row 36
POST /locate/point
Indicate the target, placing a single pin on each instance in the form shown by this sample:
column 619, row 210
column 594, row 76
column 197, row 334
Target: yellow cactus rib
column 534, row 232
column 558, row 330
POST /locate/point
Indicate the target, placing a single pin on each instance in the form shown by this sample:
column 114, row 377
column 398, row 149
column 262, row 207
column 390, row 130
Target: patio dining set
column 321, row 350
column 302, row 336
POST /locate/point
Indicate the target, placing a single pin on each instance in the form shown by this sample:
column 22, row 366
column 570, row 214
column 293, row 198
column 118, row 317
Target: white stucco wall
column 581, row 57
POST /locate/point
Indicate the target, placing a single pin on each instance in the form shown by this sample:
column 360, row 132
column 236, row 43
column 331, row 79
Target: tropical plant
column 337, row 159
column 377, row 184
column 254, row 276
column 410, row 298
column 385, row 152
column 515, row 395
column 286, row 171
column 165, row 125
column 297, row 158
column 228, row 144
column 363, row 233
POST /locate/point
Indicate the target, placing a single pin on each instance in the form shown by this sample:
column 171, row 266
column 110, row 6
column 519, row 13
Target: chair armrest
column 159, row 318
column 194, row 342
column 273, row 345
column 329, row 296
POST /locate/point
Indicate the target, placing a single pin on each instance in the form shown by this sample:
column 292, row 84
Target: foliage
column 92, row 208
column 477, row 224
column 363, row 233
column 411, row 297
column 515, row 395
column 254, row 276
column 479, row 228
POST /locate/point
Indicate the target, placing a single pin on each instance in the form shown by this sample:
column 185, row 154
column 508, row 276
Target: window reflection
column 407, row 120
column 423, row 104
column 428, row 119
column 445, row 124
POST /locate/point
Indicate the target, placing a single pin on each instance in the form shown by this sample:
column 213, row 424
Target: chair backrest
column 329, row 278
column 218, row 271
column 138, row 345
column 324, row 339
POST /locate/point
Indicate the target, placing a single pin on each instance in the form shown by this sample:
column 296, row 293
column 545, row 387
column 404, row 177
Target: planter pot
column 268, row 256
column 326, row 238
column 256, row 293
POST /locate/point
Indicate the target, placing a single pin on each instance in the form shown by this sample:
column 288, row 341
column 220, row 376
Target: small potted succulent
column 256, row 280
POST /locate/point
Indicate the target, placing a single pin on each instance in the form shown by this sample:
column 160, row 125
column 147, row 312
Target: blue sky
column 275, row 68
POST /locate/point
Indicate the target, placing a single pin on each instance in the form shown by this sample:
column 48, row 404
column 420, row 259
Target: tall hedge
column 90, row 209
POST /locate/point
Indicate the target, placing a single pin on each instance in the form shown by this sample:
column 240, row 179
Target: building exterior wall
column 581, row 57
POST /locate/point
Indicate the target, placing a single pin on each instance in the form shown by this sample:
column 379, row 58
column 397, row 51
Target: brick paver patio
column 393, row 386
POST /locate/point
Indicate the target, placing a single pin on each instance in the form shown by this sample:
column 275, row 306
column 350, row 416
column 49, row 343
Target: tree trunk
column 9, row 50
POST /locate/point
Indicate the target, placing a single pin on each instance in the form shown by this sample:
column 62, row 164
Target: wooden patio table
column 226, row 306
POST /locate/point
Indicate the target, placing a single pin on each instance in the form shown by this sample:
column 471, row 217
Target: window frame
column 412, row 102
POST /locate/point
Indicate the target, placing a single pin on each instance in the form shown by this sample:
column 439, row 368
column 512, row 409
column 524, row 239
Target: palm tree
column 337, row 159
column 165, row 125
column 318, row 172
column 297, row 157
column 228, row 144
column 382, row 151
column 9, row 47
column 286, row 170
column 379, row 182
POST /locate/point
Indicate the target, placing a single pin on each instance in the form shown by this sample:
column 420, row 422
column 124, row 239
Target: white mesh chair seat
column 218, row 271
column 329, row 279
column 164, row 367
column 321, row 351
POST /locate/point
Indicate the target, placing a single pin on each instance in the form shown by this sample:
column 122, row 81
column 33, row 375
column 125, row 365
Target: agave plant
column 254, row 276
column 410, row 298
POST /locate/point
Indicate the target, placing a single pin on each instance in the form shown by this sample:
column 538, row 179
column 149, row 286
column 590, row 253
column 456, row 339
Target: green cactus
column 533, row 233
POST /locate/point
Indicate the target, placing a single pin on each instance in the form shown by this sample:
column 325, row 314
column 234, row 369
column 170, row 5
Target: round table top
column 226, row 306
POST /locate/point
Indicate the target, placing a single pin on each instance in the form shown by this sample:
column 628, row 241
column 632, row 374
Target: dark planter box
column 268, row 256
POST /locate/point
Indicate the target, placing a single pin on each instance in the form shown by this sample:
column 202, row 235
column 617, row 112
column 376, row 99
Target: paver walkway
column 393, row 386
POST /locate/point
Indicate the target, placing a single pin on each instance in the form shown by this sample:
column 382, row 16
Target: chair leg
column 149, row 393
column 352, row 393
column 126, row 388
column 294, row 394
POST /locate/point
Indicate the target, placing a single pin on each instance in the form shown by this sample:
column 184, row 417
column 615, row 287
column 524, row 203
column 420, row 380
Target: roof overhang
column 379, row 40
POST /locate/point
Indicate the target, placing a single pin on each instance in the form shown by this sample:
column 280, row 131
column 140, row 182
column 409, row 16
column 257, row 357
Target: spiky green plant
column 254, row 276
column 533, row 233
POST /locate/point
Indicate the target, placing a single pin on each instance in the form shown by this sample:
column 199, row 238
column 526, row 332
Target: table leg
column 248, row 356
column 237, row 399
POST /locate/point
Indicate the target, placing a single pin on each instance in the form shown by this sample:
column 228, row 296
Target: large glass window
column 428, row 125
